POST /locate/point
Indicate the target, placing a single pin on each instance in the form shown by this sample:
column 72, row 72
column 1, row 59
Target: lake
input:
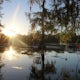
column 58, row 65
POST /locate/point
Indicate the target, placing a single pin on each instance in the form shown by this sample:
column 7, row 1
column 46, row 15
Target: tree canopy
column 61, row 16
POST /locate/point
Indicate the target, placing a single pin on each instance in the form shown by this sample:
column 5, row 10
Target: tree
column 1, row 14
column 39, row 16
column 41, row 19
column 65, row 14
column 62, row 14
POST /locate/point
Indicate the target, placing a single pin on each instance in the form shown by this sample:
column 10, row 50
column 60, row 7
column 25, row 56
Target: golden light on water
column 10, row 54
column 17, row 67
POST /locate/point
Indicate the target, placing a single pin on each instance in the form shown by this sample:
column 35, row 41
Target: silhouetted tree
column 63, row 15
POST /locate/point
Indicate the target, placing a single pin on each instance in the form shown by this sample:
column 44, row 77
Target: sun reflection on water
column 10, row 54
column 17, row 67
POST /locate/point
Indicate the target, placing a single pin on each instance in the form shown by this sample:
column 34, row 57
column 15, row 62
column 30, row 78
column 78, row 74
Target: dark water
column 17, row 66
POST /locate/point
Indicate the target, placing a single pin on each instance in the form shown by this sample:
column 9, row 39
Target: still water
column 17, row 66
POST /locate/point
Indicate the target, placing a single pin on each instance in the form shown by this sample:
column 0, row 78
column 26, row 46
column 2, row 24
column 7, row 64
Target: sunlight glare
column 10, row 54
column 17, row 67
column 9, row 32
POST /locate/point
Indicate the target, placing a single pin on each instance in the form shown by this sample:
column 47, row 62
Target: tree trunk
column 43, row 11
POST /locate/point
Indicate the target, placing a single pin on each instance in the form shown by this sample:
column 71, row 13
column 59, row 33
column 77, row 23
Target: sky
column 14, row 16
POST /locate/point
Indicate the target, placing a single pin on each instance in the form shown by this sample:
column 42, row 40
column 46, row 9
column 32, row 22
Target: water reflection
column 38, row 66
column 39, row 69
column 10, row 54
column 17, row 67
column 1, row 65
column 56, row 66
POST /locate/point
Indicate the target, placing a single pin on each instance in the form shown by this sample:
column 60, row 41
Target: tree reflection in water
column 1, row 65
column 42, row 69
column 41, row 72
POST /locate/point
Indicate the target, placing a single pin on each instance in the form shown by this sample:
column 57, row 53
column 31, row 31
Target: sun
column 9, row 32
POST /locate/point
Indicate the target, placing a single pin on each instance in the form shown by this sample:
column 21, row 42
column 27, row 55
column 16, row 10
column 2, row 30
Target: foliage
column 66, row 37
column 49, row 39
column 63, row 14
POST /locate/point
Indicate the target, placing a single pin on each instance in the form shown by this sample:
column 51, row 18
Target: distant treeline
column 3, row 39
column 23, row 40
